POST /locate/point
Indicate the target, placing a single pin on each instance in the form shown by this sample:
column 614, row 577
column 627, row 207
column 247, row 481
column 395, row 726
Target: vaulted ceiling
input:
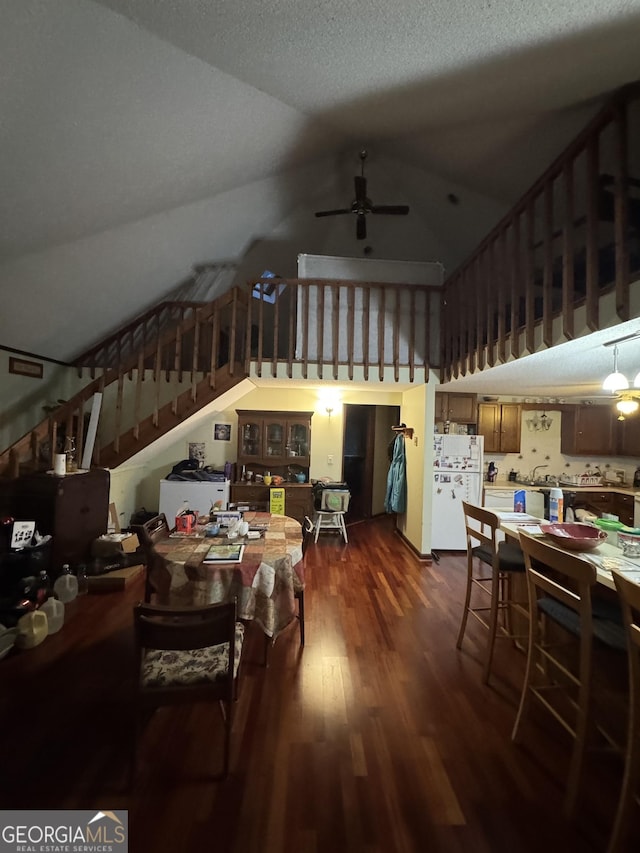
column 140, row 137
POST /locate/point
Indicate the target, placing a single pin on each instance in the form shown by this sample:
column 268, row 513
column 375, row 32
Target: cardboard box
column 114, row 581
column 112, row 544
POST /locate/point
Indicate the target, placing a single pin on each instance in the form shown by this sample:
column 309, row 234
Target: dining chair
column 564, row 624
column 148, row 533
column 490, row 566
column 330, row 516
column 184, row 655
column 629, row 594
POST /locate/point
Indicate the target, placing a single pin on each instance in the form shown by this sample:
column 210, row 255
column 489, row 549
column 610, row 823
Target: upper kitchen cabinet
column 588, row 431
column 458, row 408
column 499, row 423
column 273, row 439
column 629, row 436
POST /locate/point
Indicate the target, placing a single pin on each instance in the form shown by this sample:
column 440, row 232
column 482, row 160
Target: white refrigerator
column 456, row 477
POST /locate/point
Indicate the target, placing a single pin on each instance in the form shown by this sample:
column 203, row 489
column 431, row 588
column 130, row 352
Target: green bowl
column 608, row 524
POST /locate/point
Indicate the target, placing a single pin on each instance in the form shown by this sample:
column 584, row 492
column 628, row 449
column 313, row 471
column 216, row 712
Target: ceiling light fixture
column 539, row 423
column 617, row 381
column 627, row 405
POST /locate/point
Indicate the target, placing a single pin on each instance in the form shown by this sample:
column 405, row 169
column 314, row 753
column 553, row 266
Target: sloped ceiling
column 140, row 137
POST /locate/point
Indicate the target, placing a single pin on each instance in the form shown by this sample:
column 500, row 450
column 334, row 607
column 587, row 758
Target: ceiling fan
column 362, row 205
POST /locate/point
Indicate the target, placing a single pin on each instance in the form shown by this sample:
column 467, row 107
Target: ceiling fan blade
column 395, row 209
column 361, row 226
column 333, row 212
column 360, row 183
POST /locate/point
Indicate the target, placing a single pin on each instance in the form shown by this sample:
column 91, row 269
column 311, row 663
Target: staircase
column 152, row 375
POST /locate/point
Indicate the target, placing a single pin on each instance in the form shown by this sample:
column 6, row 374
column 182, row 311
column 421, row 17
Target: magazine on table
column 224, row 553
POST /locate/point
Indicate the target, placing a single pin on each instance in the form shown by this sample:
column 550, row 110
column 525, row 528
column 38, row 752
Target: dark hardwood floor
column 378, row 736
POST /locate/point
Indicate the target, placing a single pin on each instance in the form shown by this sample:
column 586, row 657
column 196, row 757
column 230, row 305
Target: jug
column 66, row 586
column 55, row 614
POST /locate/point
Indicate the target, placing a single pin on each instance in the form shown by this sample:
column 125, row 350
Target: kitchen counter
column 566, row 487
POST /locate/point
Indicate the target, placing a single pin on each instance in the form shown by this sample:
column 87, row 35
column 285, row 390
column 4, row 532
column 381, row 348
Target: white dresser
column 199, row 495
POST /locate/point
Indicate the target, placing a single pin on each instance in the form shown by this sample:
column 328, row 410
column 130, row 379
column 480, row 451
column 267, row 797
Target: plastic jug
column 556, row 505
column 55, row 614
column 66, row 586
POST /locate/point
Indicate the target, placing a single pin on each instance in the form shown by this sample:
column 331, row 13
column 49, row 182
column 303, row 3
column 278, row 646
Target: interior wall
column 386, row 417
column 417, row 411
column 326, row 436
column 23, row 397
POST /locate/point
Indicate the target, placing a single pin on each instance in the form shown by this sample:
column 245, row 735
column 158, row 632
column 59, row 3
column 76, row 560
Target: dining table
column 606, row 557
column 264, row 582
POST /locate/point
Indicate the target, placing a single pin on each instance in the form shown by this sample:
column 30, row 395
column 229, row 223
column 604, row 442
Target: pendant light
column 616, row 381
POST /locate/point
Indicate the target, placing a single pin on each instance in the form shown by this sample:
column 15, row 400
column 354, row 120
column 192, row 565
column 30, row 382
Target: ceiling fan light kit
column 362, row 205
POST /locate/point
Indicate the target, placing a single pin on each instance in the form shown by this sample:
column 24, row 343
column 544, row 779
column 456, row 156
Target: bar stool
column 560, row 585
column 504, row 559
column 629, row 593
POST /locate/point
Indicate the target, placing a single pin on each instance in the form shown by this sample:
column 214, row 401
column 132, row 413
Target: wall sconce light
column 328, row 410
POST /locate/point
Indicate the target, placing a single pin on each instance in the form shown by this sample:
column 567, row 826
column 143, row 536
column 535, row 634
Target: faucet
column 533, row 473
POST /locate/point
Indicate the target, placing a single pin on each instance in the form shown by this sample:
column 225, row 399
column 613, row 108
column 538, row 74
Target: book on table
column 224, row 553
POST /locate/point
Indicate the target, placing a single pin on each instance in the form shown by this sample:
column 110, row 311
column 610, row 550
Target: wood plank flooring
column 377, row 737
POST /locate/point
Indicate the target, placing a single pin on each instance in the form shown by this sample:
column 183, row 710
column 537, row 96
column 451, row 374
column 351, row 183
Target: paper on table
column 533, row 529
column 621, row 564
column 515, row 517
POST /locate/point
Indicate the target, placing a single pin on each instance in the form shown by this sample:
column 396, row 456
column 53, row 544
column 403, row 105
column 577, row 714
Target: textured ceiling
column 122, row 112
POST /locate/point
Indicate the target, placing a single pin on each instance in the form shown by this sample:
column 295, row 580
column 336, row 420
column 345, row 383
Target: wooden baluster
column 350, row 327
column 335, row 327
column 568, row 250
column 621, row 210
column 320, row 293
column 366, row 318
column 547, row 275
column 592, row 301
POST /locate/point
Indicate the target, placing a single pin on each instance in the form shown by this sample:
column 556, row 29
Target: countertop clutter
column 613, row 488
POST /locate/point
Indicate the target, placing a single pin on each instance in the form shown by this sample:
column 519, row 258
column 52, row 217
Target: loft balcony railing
column 172, row 360
column 573, row 238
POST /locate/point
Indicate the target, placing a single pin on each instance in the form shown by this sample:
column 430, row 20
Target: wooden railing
column 572, row 238
column 162, row 367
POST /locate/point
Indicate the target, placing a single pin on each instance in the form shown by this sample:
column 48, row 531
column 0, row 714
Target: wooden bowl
column 574, row 536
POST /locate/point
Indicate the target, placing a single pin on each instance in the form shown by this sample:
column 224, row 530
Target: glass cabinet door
column 251, row 439
column 274, row 435
column 298, row 438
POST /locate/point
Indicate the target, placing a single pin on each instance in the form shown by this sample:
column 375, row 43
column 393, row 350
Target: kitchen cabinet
column 458, row 408
column 273, row 440
column 499, row 423
column 595, row 502
column 588, row 431
column 298, row 498
column 623, row 507
column 629, row 436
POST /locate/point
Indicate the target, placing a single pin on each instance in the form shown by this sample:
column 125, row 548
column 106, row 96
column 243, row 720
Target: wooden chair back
column 159, row 629
column 629, row 595
column 481, row 526
column 148, row 534
column 559, row 585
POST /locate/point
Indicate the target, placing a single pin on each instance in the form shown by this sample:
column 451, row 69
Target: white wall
column 23, row 396
column 418, row 410
column 141, row 477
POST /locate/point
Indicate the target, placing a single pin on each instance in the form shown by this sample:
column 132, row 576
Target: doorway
column 365, row 461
